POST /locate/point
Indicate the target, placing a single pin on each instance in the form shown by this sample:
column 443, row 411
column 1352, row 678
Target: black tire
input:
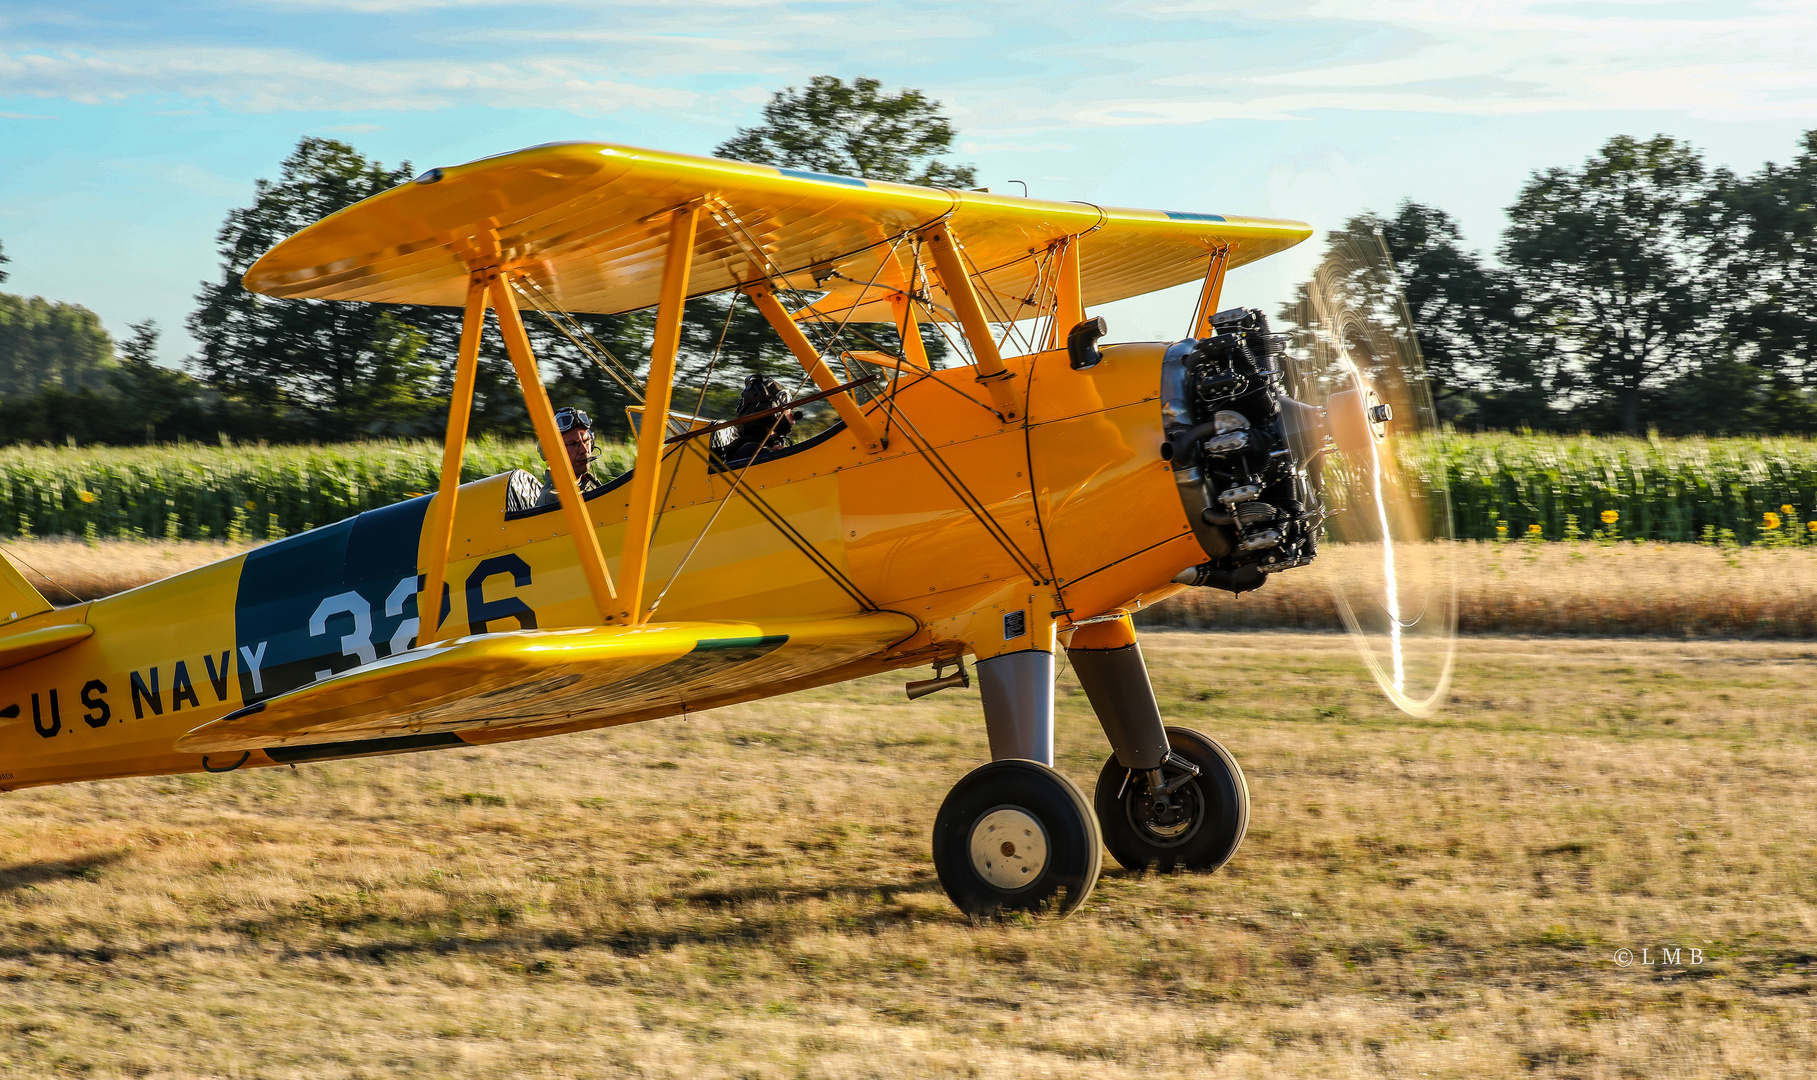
column 1200, row 830
column 1035, row 810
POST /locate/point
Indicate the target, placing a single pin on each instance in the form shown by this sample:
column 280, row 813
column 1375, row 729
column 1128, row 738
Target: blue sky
column 127, row 132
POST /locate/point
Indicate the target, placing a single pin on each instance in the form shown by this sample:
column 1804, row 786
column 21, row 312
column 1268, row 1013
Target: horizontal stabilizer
column 18, row 600
column 25, row 645
column 551, row 678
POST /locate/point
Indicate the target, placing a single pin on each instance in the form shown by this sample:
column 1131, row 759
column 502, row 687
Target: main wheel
column 1015, row 835
column 1198, row 826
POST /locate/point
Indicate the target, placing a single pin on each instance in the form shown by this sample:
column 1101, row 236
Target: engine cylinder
column 1240, row 448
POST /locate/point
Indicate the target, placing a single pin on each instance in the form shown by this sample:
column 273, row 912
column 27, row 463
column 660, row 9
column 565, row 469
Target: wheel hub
column 1009, row 848
column 1167, row 817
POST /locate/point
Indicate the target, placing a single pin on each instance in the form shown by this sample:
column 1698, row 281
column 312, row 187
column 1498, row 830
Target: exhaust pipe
column 924, row 687
column 1241, row 580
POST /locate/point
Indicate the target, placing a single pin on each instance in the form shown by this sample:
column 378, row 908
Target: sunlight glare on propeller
column 1387, row 533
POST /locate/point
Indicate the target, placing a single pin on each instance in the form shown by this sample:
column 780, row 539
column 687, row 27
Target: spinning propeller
column 1387, row 529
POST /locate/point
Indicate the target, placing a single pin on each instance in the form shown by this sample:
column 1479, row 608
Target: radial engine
column 1245, row 455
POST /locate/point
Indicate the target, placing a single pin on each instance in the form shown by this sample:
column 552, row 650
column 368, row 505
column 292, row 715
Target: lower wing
column 549, row 678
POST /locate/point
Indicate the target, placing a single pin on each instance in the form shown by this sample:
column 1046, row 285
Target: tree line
column 1640, row 290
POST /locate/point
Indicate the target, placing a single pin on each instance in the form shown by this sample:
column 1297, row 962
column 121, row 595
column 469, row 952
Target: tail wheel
column 1198, row 825
column 1015, row 835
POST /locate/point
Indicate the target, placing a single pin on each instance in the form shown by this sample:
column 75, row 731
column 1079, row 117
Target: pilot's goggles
column 570, row 417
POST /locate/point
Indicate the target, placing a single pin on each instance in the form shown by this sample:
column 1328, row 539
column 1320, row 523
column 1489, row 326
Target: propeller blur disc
column 1387, row 534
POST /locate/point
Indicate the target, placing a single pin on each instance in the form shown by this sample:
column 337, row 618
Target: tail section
column 18, row 600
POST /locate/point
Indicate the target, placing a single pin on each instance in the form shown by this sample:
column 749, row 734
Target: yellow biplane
column 1028, row 494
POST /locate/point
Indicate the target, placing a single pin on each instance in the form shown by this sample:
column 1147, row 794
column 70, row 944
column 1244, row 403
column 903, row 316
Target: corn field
column 197, row 492
column 1723, row 491
column 1528, row 487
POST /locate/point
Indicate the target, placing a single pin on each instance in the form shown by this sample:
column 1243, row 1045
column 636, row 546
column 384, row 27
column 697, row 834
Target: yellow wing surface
column 586, row 223
column 530, row 679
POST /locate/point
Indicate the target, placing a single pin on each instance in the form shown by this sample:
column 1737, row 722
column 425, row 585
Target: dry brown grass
column 1676, row 590
column 67, row 570
column 748, row 892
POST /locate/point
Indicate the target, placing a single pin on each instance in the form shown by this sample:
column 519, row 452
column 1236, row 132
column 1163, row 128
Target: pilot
column 577, row 435
column 763, row 433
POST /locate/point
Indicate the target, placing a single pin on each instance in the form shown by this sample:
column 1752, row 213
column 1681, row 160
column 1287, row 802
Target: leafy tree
column 319, row 369
column 1768, row 279
column 853, row 129
column 166, row 403
column 325, row 360
column 1614, row 259
column 1467, row 317
column 47, row 343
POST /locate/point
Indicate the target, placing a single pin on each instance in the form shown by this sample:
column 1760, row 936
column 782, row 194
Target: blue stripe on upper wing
column 803, row 174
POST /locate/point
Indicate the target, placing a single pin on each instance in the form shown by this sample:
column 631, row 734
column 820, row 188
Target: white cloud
column 274, row 80
column 972, row 147
column 187, row 176
column 583, row 58
column 1488, row 58
column 1010, row 77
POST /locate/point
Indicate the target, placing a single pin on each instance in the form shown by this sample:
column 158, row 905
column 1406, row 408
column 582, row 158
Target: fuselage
column 961, row 523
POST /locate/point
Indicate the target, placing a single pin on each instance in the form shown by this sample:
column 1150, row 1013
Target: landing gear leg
column 1015, row 835
column 1168, row 798
column 1018, row 693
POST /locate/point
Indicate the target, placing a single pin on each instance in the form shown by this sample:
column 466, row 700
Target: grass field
column 747, row 893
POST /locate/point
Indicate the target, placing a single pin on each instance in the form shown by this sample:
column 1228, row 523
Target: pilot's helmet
column 568, row 417
column 760, row 394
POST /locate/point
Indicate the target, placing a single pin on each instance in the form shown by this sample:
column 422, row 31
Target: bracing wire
column 566, row 324
column 995, row 304
column 838, row 333
column 53, row 582
column 669, row 489
column 830, row 344
column 549, row 304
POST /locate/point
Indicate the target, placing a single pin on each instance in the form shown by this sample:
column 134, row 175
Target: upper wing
column 586, row 223
column 550, row 678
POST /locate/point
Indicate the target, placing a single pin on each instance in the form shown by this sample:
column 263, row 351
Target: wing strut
column 460, row 407
column 647, row 473
column 1069, row 295
column 1210, row 292
column 561, row 470
column 958, row 286
column 486, row 283
column 855, row 420
column 914, row 350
